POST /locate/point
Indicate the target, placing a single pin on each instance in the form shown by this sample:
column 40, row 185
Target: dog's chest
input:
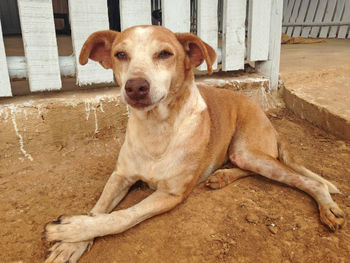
column 167, row 155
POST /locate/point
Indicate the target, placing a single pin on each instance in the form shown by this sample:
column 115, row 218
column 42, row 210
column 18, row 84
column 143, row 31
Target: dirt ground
column 251, row 220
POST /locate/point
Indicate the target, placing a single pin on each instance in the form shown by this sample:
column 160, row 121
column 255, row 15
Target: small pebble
column 252, row 218
column 272, row 229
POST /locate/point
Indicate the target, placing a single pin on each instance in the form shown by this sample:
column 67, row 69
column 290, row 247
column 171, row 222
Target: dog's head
column 149, row 62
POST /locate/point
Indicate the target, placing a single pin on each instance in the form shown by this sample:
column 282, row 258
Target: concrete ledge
column 39, row 123
column 45, row 123
column 323, row 99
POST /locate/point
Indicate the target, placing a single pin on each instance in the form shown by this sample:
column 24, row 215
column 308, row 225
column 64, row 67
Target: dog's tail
column 285, row 157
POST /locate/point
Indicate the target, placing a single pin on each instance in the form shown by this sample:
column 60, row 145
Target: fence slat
column 318, row 18
column 258, row 29
column 40, row 46
column 343, row 30
column 301, row 17
column 293, row 16
column 207, row 25
column 327, row 18
column 5, row 86
column 136, row 12
column 337, row 17
column 287, row 14
column 270, row 68
column 309, row 17
column 176, row 15
column 87, row 17
column 233, row 39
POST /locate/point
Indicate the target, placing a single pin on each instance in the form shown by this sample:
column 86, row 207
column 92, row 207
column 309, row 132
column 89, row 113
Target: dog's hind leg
column 222, row 177
column 268, row 166
column 285, row 157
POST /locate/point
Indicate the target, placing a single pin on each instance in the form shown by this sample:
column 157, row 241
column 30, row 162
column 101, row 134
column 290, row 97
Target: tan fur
column 179, row 139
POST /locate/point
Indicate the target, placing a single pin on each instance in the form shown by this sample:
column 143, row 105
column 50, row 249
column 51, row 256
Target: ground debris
column 272, row 228
column 252, row 218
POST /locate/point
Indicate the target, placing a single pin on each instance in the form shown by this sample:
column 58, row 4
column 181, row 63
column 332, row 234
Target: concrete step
column 49, row 122
column 321, row 97
column 317, row 83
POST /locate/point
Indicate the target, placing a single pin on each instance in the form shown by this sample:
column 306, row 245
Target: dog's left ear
column 197, row 50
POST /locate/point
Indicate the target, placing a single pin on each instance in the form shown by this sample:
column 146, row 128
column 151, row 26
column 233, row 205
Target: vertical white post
column 337, row 16
column 233, row 39
column 40, row 46
column 136, row 12
column 321, row 9
column 288, row 9
column 270, row 68
column 309, row 17
column 207, row 28
column 176, row 15
column 301, row 16
column 259, row 29
column 5, row 86
column 343, row 30
column 294, row 16
column 87, row 17
column 328, row 17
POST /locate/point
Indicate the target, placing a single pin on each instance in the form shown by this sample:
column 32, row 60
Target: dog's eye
column 121, row 55
column 164, row 54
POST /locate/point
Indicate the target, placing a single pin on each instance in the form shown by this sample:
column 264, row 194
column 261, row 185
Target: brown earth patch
column 251, row 220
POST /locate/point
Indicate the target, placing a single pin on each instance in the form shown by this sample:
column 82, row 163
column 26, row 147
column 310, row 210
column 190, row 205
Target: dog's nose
column 137, row 89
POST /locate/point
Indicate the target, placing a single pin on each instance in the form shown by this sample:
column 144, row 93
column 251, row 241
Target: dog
column 178, row 135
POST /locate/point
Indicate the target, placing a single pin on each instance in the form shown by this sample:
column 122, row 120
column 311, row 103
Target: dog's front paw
column 332, row 216
column 63, row 252
column 70, row 229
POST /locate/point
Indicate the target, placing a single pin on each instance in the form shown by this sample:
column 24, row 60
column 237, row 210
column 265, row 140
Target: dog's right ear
column 98, row 47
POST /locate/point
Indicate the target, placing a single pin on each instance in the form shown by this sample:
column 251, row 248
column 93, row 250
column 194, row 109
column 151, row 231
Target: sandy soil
column 251, row 220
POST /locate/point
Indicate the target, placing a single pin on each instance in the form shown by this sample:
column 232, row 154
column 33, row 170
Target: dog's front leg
column 115, row 189
column 81, row 228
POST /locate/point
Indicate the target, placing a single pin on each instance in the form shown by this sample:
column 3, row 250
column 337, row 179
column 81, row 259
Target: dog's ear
column 98, row 47
column 197, row 50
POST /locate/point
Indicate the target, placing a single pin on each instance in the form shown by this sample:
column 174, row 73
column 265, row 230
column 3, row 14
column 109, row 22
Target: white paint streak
column 96, row 123
column 6, row 115
column 39, row 111
column 87, row 109
column 13, row 118
column 25, row 114
column 101, row 106
column 265, row 100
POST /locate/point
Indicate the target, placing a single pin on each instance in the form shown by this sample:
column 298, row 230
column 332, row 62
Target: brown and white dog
column 178, row 135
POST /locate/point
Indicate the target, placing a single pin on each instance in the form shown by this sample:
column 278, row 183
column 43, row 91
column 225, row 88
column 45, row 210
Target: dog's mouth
column 145, row 103
column 139, row 104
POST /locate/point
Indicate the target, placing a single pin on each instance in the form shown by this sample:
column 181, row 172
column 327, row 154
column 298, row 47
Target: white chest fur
column 156, row 150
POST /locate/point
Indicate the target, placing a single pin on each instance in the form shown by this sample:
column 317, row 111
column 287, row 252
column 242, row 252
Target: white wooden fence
column 317, row 18
column 44, row 67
